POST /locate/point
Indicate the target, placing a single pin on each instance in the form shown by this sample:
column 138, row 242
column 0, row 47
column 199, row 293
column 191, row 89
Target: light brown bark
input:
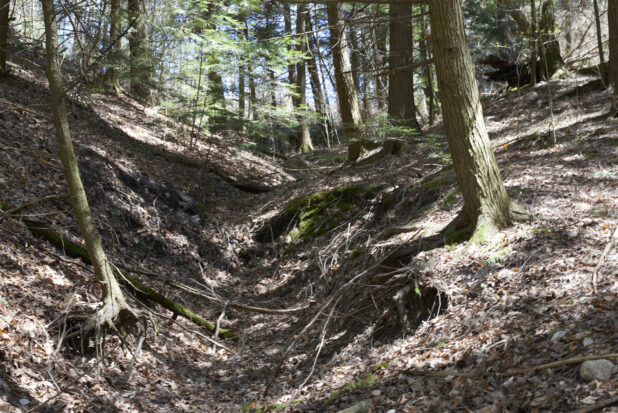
column 303, row 137
column 486, row 203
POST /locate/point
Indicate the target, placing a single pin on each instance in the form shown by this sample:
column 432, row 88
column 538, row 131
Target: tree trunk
column 401, row 107
column 505, row 35
column 140, row 54
column 486, row 203
column 597, row 19
column 533, row 43
column 428, row 89
column 379, row 52
column 111, row 80
column 355, row 58
column 316, row 84
column 4, row 34
column 551, row 59
column 612, row 20
column 114, row 304
column 346, row 93
column 303, row 137
column 568, row 25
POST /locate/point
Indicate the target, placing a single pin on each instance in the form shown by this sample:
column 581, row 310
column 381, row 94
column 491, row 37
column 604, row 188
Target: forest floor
column 220, row 220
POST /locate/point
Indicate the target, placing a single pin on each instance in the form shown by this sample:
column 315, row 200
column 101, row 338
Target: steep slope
column 193, row 218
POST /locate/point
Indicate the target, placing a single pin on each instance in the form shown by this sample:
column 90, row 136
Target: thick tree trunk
column 568, row 25
column 401, row 107
column 486, row 203
column 551, row 59
column 346, row 92
column 303, row 137
column 111, row 80
column 612, row 20
column 114, row 303
column 140, row 53
column 4, row 34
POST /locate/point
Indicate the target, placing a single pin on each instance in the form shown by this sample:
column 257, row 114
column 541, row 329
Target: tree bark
column 4, row 34
column 346, row 92
column 612, row 20
column 597, row 19
column 303, row 136
column 428, row 89
column 379, row 52
column 401, row 107
column 551, row 59
column 140, row 71
column 111, row 80
column 316, row 84
column 114, row 304
column 486, row 203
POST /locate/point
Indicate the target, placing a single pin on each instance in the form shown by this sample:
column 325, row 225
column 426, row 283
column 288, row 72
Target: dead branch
column 608, row 247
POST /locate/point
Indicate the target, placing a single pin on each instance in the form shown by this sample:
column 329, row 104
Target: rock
column 558, row 335
column 376, row 393
column 596, row 370
column 588, row 341
column 362, row 407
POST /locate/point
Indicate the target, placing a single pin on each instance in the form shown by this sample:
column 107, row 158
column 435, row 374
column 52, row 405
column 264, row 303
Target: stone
column 558, row 335
column 596, row 370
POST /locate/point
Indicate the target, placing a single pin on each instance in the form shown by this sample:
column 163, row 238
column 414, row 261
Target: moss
column 457, row 237
column 311, row 210
column 366, row 380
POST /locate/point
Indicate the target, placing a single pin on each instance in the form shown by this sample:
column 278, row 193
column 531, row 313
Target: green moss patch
column 315, row 214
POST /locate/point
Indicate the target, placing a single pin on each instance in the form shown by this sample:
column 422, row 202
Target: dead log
column 515, row 74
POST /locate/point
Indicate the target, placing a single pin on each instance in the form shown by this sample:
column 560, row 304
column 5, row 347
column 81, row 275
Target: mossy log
column 75, row 250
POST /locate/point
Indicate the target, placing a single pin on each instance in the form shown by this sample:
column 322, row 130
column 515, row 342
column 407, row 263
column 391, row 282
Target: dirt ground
column 523, row 299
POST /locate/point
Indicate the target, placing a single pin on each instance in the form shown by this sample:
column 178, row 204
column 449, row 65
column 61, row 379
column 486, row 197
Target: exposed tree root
column 111, row 311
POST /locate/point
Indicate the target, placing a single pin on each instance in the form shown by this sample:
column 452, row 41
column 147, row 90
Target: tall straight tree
column 486, row 203
column 303, row 137
column 140, row 54
column 344, row 81
column 4, row 34
column 401, row 107
column 114, row 304
column 111, row 80
column 612, row 22
column 316, row 84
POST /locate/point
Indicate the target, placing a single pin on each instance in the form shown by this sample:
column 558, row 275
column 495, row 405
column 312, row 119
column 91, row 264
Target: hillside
column 340, row 260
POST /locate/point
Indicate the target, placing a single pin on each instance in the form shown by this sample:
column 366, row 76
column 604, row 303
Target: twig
column 319, row 350
column 124, row 380
column 219, row 319
column 64, row 388
column 19, row 208
column 599, row 405
column 608, row 247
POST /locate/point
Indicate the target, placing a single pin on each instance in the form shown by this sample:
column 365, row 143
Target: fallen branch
column 195, row 291
column 77, row 251
column 599, row 405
